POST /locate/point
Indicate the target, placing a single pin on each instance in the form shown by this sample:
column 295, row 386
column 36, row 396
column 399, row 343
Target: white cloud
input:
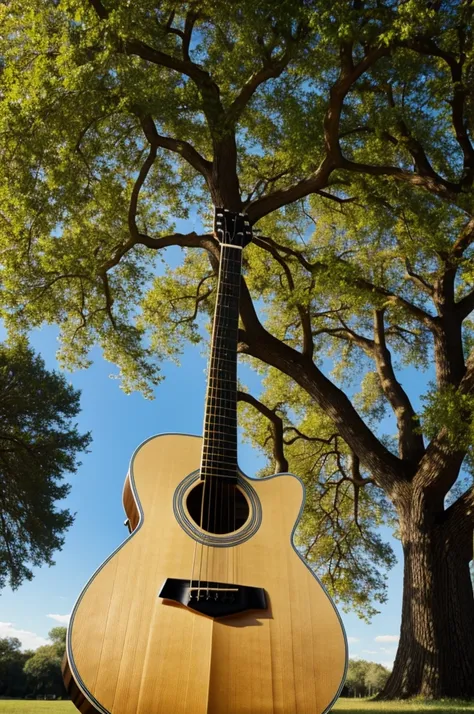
column 387, row 638
column 62, row 619
column 388, row 650
column 370, row 651
column 29, row 640
column 352, row 640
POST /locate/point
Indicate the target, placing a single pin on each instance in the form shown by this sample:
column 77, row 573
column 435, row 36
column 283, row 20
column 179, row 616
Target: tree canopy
column 343, row 130
column 38, row 445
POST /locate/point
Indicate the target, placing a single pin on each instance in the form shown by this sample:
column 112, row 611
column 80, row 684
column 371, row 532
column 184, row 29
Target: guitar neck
column 219, row 456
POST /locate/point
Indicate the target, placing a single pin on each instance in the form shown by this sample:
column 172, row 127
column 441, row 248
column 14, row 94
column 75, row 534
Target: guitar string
column 215, row 384
column 207, row 479
column 205, row 459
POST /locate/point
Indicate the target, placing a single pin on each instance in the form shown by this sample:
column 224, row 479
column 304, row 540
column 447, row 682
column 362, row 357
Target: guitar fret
column 212, row 433
column 219, row 463
column 225, row 455
column 224, row 359
column 226, row 403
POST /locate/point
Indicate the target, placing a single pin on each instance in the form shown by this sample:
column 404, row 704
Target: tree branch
column 463, row 241
column 421, row 315
column 271, row 70
column 319, row 180
column 466, row 305
column 459, row 521
column 178, row 146
column 303, row 310
column 428, row 47
column 141, row 178
column 258, row 342
column 100, row 9
column 411, row 447
column 440, row 466
column 281, row 463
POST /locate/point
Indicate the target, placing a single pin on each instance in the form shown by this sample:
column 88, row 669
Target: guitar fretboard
column 219, row 455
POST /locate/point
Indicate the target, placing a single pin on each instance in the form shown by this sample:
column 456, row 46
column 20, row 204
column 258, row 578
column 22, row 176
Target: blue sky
column 119, row 423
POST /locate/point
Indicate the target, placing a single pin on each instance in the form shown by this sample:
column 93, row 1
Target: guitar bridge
column 213, row 599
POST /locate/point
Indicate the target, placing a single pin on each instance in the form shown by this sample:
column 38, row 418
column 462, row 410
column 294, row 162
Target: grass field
column 343, row 706
column 362, row 706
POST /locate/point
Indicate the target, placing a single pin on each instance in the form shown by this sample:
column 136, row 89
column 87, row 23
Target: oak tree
column 343, row 129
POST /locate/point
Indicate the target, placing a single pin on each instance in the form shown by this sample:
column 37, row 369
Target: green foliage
column 33, row 672
column 104, row 149
column 339, row 530
column 365, row 677
column 451, row 411
column 72, row 145
column 12, row 660
column 58, row 635
column 38, row 445
column 43, row 669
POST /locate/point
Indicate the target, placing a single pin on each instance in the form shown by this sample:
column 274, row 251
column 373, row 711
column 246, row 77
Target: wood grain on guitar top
column 131, row 652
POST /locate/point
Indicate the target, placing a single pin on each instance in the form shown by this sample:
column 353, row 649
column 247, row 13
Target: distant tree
column 43, row 669
column 58, row 637
column 38, row 445
column 12, row 661
column 375, row 677
column 355, row 680
column 365, row 678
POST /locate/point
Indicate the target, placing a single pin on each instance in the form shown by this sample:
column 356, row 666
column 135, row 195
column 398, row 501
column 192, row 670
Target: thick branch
column 258, row 342
column 428, row 47
column 281, row 463
column 303, row 311
column 411, row 447
column 271, row 70
column 141, row 178
column 371, row 288
column 459, row 520
column 100, row 9
column 466, row 305
column 190, row 69
column 320, row 178
column 178, row 146
column 184, row 240
column 282, row 197
column 463, row 241
column 446, row 190
column 442, row 461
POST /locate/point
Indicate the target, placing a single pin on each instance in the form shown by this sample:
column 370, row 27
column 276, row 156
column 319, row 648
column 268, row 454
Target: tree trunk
column 435, row 656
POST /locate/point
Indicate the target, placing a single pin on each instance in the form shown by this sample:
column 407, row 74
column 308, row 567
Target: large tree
column 343, row 130
column 39, row 444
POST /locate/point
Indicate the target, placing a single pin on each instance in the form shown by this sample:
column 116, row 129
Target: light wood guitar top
column 131, row 652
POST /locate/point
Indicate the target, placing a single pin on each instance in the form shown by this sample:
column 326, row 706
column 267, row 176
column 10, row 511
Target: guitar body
column 130, row 651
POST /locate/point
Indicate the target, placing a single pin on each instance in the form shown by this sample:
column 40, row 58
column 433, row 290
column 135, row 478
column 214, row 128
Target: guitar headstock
column 232, row 228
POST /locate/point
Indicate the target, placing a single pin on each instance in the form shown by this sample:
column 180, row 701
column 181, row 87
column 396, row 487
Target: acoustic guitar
column 207, row 607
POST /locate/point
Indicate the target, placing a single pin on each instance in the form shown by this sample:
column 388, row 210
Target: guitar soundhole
column 224, row 510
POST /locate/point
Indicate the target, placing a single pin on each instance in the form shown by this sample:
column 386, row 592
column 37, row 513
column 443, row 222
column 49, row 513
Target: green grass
column 343, row 706
column 20, row 706
column 362, row 706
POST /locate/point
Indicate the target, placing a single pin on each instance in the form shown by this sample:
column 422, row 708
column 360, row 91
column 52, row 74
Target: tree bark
column 435, row 656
